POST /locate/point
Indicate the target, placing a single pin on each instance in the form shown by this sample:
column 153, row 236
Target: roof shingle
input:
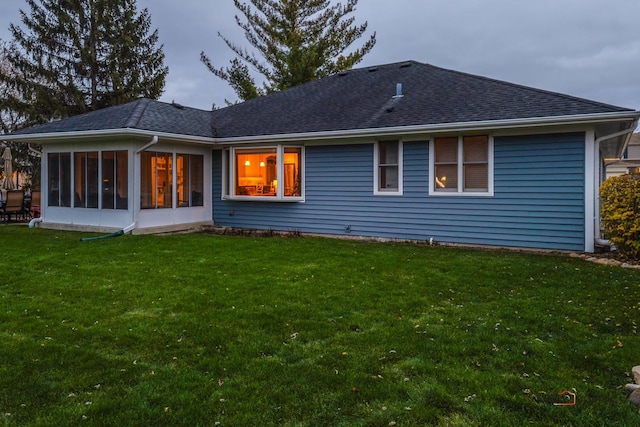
column 364, row 99
column 357, row 99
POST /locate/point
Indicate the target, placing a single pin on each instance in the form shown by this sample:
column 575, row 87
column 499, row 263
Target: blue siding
column 538, row 197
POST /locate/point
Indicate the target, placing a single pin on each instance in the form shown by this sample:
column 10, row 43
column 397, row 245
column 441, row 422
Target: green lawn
column 205, row 329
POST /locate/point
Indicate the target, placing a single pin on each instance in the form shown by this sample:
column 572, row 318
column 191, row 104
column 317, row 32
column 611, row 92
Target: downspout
column 153, row 141
column 133, row 225
column 598, row 240
column 35, row 221
column 34, row 151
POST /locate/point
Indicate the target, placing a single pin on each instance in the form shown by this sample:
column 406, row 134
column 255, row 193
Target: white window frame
column 377, row 191
column 229, row 176
column 460, row 191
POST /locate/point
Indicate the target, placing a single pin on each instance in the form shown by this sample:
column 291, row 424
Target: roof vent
column 399, row 91
column 343, row 73
column 178, row 106
column 405, row 65
column 373, row 69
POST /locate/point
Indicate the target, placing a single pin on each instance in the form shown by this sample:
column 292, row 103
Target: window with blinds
column 476, row 163
column 461, row 164
column 388, row 172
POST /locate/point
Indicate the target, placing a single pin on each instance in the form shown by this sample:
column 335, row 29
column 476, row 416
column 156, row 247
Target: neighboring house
column 406, row 150
column 630, row 161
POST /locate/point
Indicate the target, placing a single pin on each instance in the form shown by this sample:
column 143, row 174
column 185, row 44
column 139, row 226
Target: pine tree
column 298, row 41
column 74, row 56
column 25, row 159
column 10, row 119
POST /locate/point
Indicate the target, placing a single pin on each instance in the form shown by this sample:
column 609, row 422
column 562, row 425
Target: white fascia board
column 434, row 128
column 396, row 131
column 41, row 138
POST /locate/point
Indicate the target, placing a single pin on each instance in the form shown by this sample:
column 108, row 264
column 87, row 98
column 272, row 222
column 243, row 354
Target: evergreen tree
column 10, row 119
column 25, row 159
column 298, row 41
column 74, row 56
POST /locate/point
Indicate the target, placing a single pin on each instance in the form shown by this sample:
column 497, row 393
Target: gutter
column 344, row 133
column 444, row 127
column 105, row 133
column 598, row 240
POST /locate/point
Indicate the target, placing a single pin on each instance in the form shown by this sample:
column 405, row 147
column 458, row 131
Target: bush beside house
column 620, row 213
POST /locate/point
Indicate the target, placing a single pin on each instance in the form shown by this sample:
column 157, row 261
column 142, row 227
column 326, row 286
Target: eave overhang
column 620, row 120
column 56, row 137
column 625, row 118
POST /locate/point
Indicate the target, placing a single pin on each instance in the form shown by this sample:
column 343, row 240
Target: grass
column 201, row 329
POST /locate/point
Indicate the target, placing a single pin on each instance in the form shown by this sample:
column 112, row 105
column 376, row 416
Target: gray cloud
column 585, row 48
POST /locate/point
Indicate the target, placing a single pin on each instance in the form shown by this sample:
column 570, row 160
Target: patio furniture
column 13, row 205
column 34, row 209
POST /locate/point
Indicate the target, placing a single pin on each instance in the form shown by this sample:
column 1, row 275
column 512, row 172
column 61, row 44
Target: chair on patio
column 34, row 209
column 14, row 205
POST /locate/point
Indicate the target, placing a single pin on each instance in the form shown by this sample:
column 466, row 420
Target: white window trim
column 229, row 176
column 376, row 171
column 226, row 174
column 460, row 192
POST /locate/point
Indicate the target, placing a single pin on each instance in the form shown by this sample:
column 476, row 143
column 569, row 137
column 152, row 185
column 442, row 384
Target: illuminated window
column 256, row 172
column 156, row 180
column 157, row 175
column 190, row 180
column 291, row 175
column 462, row 165
column 265, row 173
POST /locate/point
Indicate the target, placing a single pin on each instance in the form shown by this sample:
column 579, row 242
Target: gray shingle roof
column 363, row 99
column 357, row 99
column 142, row 114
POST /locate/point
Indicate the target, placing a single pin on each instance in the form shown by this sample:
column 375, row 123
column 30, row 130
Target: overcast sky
column 585, row 48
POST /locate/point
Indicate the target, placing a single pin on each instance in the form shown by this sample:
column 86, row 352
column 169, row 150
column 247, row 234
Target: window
column 59, row 179
column 157, row 180
column 388, row 168
column 85, row 183
column 115, row 180
column 462, row 165
column 190, row 180
column 291, row 175
column 269, row 173
column 256, row 172
column 87, row 188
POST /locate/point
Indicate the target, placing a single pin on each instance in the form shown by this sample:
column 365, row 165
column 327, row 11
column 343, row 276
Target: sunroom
column 129, row 183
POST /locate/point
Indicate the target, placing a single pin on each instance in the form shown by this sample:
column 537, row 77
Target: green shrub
column 620, row 213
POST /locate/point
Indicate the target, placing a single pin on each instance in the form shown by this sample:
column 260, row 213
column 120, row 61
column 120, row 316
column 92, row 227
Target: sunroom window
column 87, row 188
column 115, row 179
column 59, row 179
column 157, row 180
column 85, row 182
column 190, row 180
column 266, row 173
column 462, row 165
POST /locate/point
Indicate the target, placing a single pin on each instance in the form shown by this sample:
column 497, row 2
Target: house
column 405, row 150
column 630, row 161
